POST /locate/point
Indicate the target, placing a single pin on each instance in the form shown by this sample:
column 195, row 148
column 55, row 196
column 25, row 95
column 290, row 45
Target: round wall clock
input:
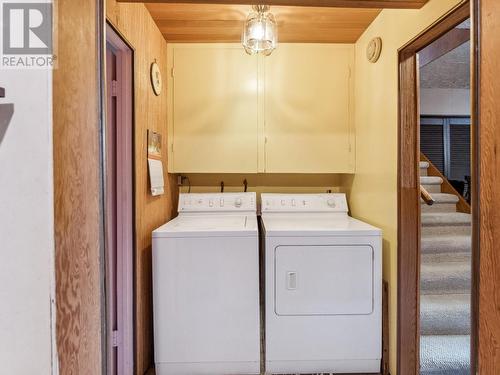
column 156, row 78
column 374, row 49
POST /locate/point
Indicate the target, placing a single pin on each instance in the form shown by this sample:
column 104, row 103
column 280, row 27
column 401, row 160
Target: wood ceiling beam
column 448, row 42
column 401, row 4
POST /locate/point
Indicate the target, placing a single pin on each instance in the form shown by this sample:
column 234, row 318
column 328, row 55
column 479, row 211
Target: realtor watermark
column 27, row 35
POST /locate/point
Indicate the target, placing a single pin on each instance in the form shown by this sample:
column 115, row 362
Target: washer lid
column 307, row 225
column 209, row 226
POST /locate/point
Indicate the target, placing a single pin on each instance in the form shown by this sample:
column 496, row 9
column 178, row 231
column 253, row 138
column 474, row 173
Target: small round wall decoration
column 156, row 78
column 374, row 49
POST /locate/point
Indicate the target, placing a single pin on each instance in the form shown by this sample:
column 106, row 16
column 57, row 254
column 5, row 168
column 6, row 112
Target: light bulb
column 260, row 32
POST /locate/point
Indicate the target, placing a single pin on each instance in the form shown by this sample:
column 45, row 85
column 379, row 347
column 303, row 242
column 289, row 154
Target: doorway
column 445, row 175
column 118, row 200
column 415, row 279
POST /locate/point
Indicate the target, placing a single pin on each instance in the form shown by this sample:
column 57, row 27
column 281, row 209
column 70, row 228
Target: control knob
column 331, row 203
column 238, row 202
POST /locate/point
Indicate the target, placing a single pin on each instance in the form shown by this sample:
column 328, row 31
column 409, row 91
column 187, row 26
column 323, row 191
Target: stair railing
column 446, row 187
column 426, row 196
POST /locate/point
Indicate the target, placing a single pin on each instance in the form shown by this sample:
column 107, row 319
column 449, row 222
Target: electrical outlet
column 181, row 179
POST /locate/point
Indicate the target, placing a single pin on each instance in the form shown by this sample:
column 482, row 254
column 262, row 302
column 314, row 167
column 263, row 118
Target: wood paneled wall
column 486, row 203
column 135, row 24
column 77, row 190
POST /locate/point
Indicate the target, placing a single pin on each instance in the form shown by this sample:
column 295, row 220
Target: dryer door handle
column 292, row 280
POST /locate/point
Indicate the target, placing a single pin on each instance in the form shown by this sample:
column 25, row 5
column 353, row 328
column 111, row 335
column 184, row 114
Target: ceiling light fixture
column 260, row 33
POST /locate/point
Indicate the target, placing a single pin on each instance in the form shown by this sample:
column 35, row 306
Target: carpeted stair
column 445, row 279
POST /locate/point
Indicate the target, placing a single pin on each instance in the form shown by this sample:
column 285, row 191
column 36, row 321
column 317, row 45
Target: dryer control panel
column 217, row 202
column 335, row 202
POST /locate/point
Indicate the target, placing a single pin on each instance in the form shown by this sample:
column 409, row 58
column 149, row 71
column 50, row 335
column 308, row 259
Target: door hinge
column 114, row 87
column 115, row 339
column 172, row 72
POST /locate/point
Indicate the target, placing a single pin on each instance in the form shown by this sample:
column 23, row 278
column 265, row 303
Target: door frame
column 486, row 200
column 408, row 305
column 125, row 231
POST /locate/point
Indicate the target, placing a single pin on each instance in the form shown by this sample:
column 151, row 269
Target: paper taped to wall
column 156, row 176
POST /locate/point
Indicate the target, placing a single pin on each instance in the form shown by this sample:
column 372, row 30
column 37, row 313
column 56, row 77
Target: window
column 446, row 142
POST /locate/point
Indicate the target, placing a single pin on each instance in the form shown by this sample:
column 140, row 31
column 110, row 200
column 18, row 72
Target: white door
column 324, row 280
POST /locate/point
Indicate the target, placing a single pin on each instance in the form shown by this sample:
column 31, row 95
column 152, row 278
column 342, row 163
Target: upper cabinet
column 290, row 112
column 308, row 108
column 213, row 112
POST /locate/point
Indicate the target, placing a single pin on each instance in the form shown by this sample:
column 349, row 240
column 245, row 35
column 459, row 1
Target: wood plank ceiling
column 224, row 23
column 399, row 4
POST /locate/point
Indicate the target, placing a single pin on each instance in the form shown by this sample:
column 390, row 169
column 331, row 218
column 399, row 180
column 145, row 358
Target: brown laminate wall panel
column 77, row 189
column 135, row 24
column 488, row 130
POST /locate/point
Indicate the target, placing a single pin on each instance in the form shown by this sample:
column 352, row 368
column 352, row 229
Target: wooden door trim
column 474, row 203
column 408, row 334
column 486, row 200
column 78, row 206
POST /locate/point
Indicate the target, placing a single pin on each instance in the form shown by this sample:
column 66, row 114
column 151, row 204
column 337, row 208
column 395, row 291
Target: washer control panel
column 336, row 202
column 217, row 202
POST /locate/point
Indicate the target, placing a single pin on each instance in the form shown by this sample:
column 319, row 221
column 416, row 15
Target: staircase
column 445, row 282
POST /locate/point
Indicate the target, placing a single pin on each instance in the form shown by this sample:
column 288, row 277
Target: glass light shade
column 260, row 33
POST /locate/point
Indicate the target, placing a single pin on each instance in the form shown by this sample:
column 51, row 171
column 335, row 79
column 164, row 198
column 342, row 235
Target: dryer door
column 324, row 280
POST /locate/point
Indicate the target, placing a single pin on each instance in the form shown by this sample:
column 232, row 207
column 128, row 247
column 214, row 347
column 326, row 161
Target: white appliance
column 323, row 286
column 206, row 287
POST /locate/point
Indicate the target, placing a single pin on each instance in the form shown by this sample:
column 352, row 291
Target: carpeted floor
column 444, row 284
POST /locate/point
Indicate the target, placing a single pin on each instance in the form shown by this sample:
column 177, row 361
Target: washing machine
column 206, row 287
column 323, row 285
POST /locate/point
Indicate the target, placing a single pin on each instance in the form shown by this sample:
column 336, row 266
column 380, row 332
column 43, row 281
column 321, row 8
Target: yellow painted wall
column 373, row 189
column 265, row 182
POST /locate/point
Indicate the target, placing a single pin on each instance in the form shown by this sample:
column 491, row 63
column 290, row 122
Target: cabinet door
column 214, row 107
column 308, row 108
